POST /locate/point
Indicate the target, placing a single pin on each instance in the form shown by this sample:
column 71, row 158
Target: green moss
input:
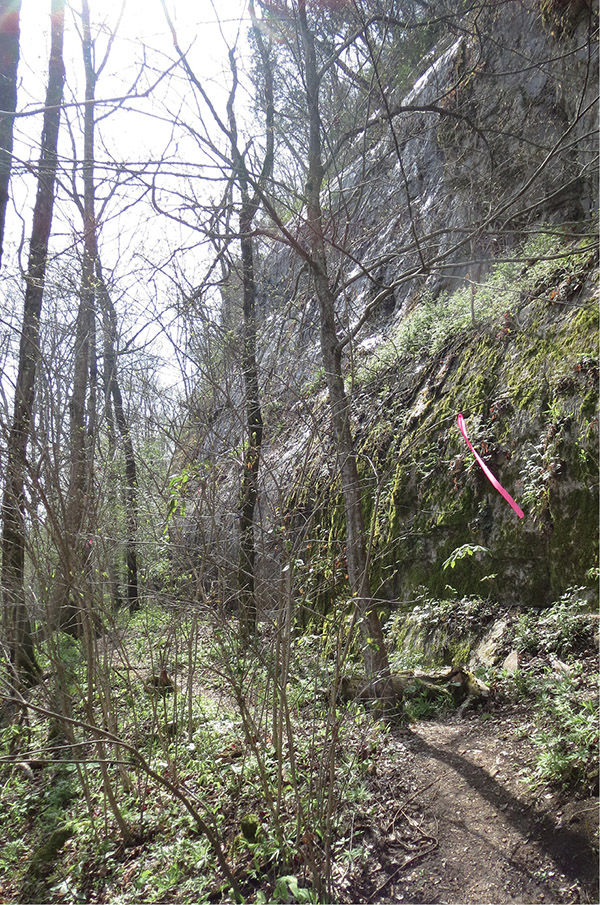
column 43, row 863
column 439, row 512
column 560, row 17
column 573, row 547
column 524, row 378
column 589, row 404
column 459, row 652
column 44, row 857
column 250, row 827
column 400, row 501
column 585, row 321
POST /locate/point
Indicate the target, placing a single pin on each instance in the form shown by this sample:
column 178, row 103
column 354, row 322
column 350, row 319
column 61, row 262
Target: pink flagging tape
column 493, row 480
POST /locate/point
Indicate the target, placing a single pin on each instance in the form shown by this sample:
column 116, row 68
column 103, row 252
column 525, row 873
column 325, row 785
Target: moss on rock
column 526, row 380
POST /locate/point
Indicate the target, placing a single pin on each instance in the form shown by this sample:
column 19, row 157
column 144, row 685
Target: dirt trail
column 471, row 830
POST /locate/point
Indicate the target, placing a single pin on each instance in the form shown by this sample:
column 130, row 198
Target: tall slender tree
column 249, row 182
column 17, row 624
column 66, row 590
column 10, row 13
column 374, row 650
column 83, row 405
column 249, row 205
column 114, row 399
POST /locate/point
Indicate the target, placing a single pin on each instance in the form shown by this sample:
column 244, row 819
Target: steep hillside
column 522, row 367
column 496, row 137
column 461, row 230
column 477, row 213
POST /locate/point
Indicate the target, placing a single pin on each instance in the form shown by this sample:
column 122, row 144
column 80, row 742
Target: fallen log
column 458, row 686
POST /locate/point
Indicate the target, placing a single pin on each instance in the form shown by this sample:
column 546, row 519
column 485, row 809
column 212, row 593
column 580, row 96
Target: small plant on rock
column 568, row 738
column 562, row 629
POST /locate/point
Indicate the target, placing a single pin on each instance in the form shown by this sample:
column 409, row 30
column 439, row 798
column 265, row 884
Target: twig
column 399, row 870
column 414, row 824
column 400, row 810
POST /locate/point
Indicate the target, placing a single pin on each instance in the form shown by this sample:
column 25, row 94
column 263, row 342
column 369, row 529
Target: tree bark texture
column 254, row 427
column 10, row 12
column 373, row 644
column 114, row 397
column 254, row 421
column 13, row 505
column 69, row 593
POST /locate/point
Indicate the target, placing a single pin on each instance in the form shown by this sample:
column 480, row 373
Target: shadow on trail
column 570, row 851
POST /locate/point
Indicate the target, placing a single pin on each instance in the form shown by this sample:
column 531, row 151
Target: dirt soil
column 458, row 824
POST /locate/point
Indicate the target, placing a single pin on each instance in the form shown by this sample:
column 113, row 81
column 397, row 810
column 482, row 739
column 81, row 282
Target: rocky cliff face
column 524, row 374
column 477, row 209
column 526, row 382
column 496, row 135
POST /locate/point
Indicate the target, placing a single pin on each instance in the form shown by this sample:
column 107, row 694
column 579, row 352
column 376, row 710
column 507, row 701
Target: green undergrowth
column 556, row 680
column 283, row 773
column 546, row 268
column 567, row 733
column 562, row 723
column 278, row 780
column 435, row 633
column 563, row 629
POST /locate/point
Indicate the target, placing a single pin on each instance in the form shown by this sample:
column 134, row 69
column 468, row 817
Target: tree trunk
column 254, row 422
column 131, row 484
column 69, row 594
column 114, row 396
column 248, row 209
column 9, row 60
column 373, row 644
column 254, row 427
column 18, row 630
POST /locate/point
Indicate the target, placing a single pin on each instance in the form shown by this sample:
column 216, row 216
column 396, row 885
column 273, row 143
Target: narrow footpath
column 459, row 824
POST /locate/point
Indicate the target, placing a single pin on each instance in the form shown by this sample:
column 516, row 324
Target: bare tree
column 10, row 11
column 83, row 402
column 114, row 398
column 243, row 176
column 254, row 423
column 17, row 626
column 374, row 651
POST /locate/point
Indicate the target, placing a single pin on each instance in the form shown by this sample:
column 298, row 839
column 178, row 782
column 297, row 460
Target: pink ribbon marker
column 493, row 480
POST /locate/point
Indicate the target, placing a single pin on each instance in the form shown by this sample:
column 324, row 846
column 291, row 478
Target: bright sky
column 136, row 240
column 143, row 38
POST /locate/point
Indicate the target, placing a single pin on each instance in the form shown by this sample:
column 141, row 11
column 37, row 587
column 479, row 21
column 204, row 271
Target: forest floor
column 457, row 822
column 457, row 808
